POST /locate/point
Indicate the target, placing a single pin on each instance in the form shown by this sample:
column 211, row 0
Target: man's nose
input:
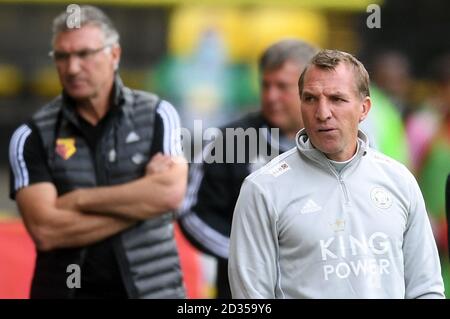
column 73, row 64
column 323, row 112
column 271, row 94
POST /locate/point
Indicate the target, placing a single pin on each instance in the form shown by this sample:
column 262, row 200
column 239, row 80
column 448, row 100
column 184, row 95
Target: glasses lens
column 60, row 56
column 84, row 54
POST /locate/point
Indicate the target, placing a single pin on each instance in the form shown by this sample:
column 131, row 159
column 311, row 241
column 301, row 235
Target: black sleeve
column 27, row 159
column 216, row 199
column 158, row 135
column 207, row 211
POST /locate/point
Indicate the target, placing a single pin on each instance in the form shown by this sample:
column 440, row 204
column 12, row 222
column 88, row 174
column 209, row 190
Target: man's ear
column 365, row 108
column 116, row 52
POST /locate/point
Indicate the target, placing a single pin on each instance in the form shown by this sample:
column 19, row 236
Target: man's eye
column 61, row 55
column 283, row 86
column 83, row 54
column 338, row 99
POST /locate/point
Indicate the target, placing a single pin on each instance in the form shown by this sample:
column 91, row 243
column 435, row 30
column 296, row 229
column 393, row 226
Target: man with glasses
column 90, row 179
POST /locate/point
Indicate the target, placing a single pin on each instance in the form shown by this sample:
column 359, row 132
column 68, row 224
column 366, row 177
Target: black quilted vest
column 147, row 253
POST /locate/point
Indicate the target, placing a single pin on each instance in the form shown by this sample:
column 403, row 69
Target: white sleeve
column 17, row 161
column 172, row 129
column 253, row 261
column 423, row 277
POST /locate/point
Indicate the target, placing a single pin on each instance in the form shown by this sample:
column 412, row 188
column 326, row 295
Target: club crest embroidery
column 65, row 147
column 381, row 198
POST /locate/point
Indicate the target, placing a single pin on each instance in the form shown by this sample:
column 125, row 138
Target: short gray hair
column 88, row 15
column 293, row 50
column 330, row 59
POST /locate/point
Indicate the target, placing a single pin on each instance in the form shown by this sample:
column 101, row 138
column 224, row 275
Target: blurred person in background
column 434, row 165
column 213, row 189
column 431, row 118
column 89, row 177
column 391, row 72
column 389, row 89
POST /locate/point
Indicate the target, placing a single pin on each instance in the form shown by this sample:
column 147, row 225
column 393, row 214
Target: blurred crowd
column 424, row 110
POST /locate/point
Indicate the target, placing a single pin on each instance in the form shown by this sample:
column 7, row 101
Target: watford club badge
column 65, row 147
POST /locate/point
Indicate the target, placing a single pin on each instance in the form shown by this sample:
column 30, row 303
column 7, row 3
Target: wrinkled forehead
column 340, row 79
column 89, row 36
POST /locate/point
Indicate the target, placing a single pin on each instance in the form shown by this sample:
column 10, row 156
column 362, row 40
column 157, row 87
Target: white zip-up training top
column 302, row 230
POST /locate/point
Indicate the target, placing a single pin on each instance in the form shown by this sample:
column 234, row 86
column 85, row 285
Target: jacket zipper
column 344, row 189
column 341, row 182
column 103, row 180
column 100, row 178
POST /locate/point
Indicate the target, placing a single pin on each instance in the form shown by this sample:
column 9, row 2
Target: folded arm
column 162, row 189
column 52, row 227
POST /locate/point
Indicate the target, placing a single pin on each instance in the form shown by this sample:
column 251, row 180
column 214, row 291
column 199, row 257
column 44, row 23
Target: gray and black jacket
column 146, row 253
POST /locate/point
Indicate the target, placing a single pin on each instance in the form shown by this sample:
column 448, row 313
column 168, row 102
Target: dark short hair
column 285, row 50
column 330, row 59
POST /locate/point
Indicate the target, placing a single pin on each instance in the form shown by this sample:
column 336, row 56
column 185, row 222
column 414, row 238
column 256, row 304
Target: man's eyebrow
column 338, row 94
column 79, row 50
column 308, row 93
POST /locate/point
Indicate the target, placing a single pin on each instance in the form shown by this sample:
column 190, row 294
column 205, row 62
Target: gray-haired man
column 84, row 182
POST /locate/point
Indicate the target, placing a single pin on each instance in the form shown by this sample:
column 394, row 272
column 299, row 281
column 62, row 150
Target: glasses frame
column 83, row 55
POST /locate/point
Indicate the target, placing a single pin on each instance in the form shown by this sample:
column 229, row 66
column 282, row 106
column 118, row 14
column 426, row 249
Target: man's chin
column 286, row 128
column 277, row 122
column 78, row 94
column 326, row 147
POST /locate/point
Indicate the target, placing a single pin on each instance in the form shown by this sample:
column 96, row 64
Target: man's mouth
column 75, row 81
column 326, row 129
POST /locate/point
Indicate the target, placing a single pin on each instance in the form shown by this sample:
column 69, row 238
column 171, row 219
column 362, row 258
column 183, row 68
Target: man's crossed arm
column 85, row 216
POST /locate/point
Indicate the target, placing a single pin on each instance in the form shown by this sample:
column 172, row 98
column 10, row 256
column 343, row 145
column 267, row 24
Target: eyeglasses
column 83, row 55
